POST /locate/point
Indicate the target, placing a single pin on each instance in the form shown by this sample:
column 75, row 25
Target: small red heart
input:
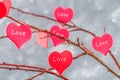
column 3, row 10
column 102, row 44
column 60, row 61
column 42, row 39
column 18, row 34
column 61, row 32
column 63, row 15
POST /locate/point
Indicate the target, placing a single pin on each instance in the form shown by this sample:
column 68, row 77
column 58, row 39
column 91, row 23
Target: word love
column 58, row 32
column 42, row 39
column 5, row 6
column 18, row 34
column 63, row 15
column 102, row 44
column 60, row 61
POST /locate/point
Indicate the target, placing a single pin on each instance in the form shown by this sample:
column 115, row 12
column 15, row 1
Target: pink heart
column 63, row 15
column 42, row 39
column 61, row 32
column 18, row 34
column 102, row 44
column 60, row 61
column 8, row 5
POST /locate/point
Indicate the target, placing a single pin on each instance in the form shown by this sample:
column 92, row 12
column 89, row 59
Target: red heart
column 18, row 34
column 102, row 44
column 61, row 32
column 3, row 10
column 60, row 61
column 42, row 39
column 63, row 15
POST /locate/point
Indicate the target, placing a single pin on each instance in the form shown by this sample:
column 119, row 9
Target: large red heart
column 63, row 15
column 60, row 61
column 18, row 34
column 3, row 10
column 5, row 6
column 102, row 44
column 60, row 32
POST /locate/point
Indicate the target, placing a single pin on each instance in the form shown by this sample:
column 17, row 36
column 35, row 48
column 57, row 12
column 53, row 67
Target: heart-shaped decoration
column 60, row 32
column 3, row 10
column 63, row 15
column 18, row 34
column 5, row 6
column 60, row 61
column 8, row 5
column 42, row 39
column 102, row 44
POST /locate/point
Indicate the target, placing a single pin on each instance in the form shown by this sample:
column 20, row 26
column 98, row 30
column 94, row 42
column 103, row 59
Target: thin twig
column 1, row 37
column 35, row 76
column 73, row 23
column 84, row 30
column 38, row 75
column 114, row 59
column 27, row 68
column 78, row 56
column 78, row 41
column 104, row 29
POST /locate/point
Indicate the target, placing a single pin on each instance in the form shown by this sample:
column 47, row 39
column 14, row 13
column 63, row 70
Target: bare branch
column 114, row 59
column 35, row 76
column 74, row 44
column 78, row 41
column 1, row 37
column 78, row 56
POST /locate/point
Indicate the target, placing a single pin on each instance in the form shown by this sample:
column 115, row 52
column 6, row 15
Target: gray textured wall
column 93, row 15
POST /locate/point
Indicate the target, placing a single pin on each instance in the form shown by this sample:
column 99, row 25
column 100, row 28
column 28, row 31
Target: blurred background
column 93, row 15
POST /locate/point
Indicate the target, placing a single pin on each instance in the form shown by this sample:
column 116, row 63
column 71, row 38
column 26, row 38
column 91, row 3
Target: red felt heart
column 63, row 15
column 60, row 61
column 3, row 10
column 60, row 32
column 42, row 39
column 18, row 34
column 102, row 44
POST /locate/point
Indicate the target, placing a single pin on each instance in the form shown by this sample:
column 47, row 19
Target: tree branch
column 114, row 59
column 87, row 51
column 27, row 68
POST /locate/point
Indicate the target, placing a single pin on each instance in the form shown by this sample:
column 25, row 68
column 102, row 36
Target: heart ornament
column 102, row 44
column 5, row 6
column 63, row 15
column 42, row 39
column 60, row 32
column 3, row 10
column 8, row 5
column 18, row 34
column 60, row 61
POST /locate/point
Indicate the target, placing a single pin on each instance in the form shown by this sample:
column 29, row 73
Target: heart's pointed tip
column 55, row 45
column 105, row 53
column 59, row 72
column 19, row 47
